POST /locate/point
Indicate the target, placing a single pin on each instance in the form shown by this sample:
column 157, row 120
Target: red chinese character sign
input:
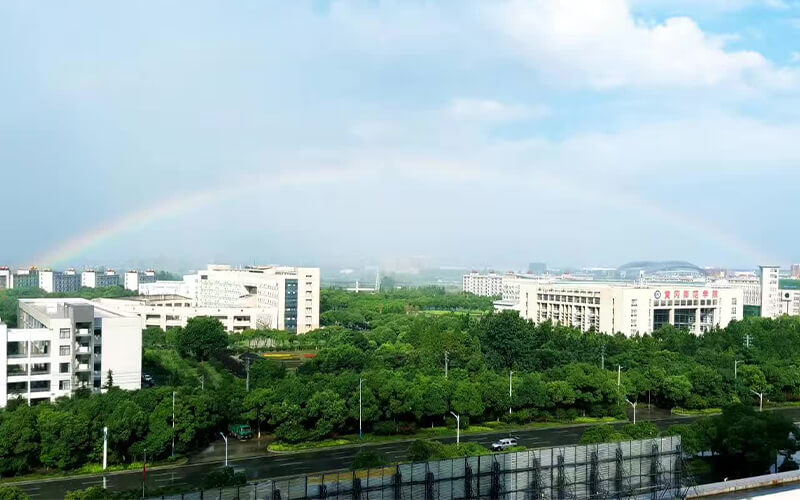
column 715, row 294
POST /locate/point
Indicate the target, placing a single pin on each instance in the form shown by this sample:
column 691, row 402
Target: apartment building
column 94, row 279
column 770, row 293
column 59, row 281
column 630, row 309
column 5, row 278
column 132, row 279
column 65, row 344
column 485, row 285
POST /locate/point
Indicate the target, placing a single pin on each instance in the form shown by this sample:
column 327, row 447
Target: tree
column 258, row 405
column 202, row 338
column 366, row 459
column 329, row 411
column 65, row 442
column 109, row 381
column 12, row 493
column 20, row 444
column 506, row 339
column 676, row 389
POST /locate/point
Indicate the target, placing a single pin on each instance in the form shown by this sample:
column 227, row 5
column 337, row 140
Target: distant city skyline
column 325, row 132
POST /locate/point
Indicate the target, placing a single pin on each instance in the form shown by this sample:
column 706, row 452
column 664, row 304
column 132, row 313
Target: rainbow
column 566, row 188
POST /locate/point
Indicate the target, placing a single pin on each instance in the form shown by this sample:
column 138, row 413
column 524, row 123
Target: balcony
column 82, row 367
column 83, row 332
column 83, row 349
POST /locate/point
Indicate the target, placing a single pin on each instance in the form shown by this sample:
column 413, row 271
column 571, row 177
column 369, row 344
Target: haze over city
column 346, row 133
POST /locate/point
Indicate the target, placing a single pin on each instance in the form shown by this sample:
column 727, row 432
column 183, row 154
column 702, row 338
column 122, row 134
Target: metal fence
column 650, row 468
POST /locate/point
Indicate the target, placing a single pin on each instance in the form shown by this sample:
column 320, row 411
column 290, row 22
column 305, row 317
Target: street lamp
column 105, row 447
column 360, row 433
column 735, row 368
column 510, row 375
column 226, row 448
column 634, row 409
column 458, row 427
column 760, row 399
column 619, row 374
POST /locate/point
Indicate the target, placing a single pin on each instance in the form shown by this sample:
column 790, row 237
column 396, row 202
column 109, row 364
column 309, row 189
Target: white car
column 504, row 444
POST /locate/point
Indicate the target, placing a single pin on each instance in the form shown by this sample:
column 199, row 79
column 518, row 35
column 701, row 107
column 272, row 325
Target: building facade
column 630, row 309
column 25, row 279
column 59, row 282
column 770, row 293
column 65, row 344
column 5, row 278
column 95, row 279
column 790, row 302
column 485, row 285
column 276, row 297
column 132, row 279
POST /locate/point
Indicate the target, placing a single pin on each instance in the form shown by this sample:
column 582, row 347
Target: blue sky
column 469, row 133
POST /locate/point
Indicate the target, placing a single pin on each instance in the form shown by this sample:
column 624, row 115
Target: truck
column 242, row 432
column 504, row 444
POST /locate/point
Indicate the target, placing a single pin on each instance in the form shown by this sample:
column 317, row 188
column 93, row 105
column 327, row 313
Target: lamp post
column 619, row 374
column 760, row 399
column 360, row 432
column 634, row 409
column 735, row 368
column 226, row 448
column 458, row 427
column 510, row 376
column 105, row 447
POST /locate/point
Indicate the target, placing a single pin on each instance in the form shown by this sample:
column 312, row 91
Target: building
column 485, row 285
column 5, row 278
column 172, row 311
column 185, row 288
column 770, row 293
column 795, row 271
column 132, row 279
column 60, row 282
column 284, row 298
column 790, row 302
column 537, row 268
column 94, row 279
column 65, row 344
column 25, row 279
column 630, row 309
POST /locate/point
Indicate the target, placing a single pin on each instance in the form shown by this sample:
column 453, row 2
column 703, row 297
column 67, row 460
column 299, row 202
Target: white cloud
column 602, row 45
column 713, row 5
column 490, row 110
column 795, row 57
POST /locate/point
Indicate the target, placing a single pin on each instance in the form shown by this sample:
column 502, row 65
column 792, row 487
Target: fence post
column 594, row 476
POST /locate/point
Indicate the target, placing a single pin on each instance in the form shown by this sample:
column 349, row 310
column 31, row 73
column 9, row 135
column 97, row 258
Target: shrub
column 366, row 459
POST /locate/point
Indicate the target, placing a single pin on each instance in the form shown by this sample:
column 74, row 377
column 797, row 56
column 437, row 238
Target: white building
column 132, row 279
column 65, row 344
column 284, row 298
column 172, row 311
column 770, row 293
column 93, row 279
column 630, row 309
column 58, row 281
column 5, row 278
column 485, row 285
column 790, row 302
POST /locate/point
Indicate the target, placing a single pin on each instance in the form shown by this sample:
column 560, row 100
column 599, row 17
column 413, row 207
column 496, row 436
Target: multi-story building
column 94, row 279
column 172, row 311
column 795, row 271
column 284, row 298
column 485, row 285
column 5, row 278
column 25, row 279
column 628, row 308
column 770, row 293
column 65, row 344
column 133, row 279
column 537, row 268
column 790, row 302
column 58, row 281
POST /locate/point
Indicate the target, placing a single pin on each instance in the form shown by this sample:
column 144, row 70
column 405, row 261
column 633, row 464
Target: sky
column 455, row 133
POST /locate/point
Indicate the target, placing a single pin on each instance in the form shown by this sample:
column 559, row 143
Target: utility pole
column 173, row 423
column 634, row 408
column 510, row 376
column 203, row 382
column 446, row 360
column 360, row 432
column 105, row 448
column 226, row 448
column 458, row 427
column 619, row 374
column 144, row 470
column 247, row 369
column 735, row 369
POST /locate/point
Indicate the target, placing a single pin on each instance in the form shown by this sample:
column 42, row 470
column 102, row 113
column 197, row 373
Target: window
column 40, row 348
column 63, row 368
column 63, row 385
column 63, row 350
column 64, row 333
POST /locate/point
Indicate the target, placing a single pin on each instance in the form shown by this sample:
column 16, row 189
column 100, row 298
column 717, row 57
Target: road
column 278, row 465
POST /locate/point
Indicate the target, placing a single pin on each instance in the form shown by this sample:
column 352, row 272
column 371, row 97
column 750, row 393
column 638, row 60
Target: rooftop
column 59, row 308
